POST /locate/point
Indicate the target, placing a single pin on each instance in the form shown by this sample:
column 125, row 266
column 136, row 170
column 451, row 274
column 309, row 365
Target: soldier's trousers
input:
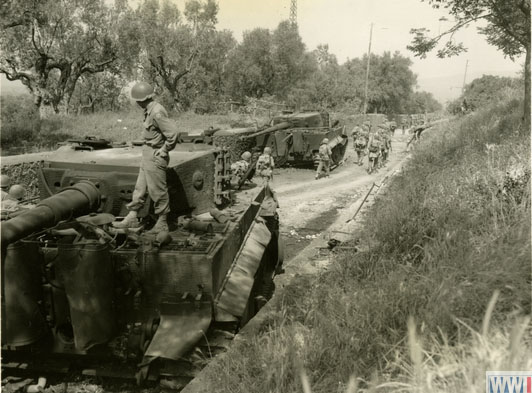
column 151, row 181
column 324, row 164
column 360, row 154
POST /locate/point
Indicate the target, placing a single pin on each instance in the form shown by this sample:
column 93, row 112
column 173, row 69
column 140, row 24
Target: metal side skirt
column 234, row 296
column 178, row 332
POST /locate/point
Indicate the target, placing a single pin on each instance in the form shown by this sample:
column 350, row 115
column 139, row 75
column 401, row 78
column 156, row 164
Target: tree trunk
column 46, row 111
column 526, row 113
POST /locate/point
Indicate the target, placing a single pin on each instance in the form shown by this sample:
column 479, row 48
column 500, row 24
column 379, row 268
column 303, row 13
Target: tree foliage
column 507, row 28
column 483, row 91
column 49, row 44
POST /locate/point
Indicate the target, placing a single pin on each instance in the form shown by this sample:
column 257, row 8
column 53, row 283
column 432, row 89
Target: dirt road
column 308, row 207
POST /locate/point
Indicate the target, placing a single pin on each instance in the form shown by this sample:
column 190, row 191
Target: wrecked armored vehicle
column 71, row 285
column 295, row 138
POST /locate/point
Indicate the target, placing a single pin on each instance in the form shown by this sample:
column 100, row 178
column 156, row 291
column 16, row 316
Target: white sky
column 345, row 25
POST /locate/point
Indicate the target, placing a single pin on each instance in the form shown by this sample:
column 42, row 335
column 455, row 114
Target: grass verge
column 451, row 230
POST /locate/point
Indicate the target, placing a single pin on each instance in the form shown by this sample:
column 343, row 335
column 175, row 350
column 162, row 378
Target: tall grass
column 451, row 230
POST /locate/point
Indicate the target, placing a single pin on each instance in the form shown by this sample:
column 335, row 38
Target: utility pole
column 465, row 73
column 367, row 71
column 293, row 13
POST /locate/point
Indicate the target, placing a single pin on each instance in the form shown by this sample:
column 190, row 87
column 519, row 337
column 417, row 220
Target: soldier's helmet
column 246, row 155
column 4, row 181
column 17, row 192
column 141, row 91
column 325, row 140
column 267, row 150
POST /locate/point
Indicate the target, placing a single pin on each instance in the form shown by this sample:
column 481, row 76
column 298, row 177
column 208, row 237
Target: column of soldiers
column 375, row 143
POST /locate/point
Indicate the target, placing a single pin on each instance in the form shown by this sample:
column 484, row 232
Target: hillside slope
column 409, row 310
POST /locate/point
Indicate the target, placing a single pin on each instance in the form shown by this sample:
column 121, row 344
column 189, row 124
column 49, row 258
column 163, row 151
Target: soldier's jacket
column 325, row 152
column 375, row 143
column 159, row 130
column 361, row 139
column 8, row 203
column 356, row 131
column 239, row 168
column 265, row 162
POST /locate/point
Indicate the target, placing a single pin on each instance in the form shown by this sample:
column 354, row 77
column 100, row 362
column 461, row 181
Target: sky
column 345, row 26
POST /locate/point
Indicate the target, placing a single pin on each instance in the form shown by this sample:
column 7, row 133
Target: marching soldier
column 265, row 166
column 239, row 168
column 373, row 150
column 160, row 137
column 360, row 142
column 325, row 154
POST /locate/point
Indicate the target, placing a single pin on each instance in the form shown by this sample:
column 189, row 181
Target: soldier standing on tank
column 265, row 165
column 325, row 154
column 160, row 137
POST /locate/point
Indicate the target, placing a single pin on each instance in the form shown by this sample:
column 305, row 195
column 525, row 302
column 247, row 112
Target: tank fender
column 238, row 283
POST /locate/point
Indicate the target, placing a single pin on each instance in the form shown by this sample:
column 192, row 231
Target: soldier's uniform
column 374, row 151
column 160, row 137
column 385, row 145
column 360, row 142
column 325, row 154
column 240, row 168
column 7, row 202
column 265, row 165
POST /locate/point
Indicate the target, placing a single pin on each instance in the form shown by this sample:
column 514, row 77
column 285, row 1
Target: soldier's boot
column 160, row 226
column 129, row 221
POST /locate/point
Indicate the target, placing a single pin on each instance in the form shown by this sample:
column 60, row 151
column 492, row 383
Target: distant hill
column 11, row 88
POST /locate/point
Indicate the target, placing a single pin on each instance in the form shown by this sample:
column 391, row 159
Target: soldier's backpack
column 360, row 142
column 375, row 145
column 324, row 152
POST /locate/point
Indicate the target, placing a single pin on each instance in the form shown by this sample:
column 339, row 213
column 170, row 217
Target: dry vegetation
column 451, row 231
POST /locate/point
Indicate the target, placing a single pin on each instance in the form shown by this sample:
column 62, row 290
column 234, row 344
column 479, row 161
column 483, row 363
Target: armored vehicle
column 295, row 138
column 77, row 294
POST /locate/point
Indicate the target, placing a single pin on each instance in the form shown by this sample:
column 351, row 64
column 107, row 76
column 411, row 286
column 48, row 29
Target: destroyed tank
column 126, row 303
column 294, row 138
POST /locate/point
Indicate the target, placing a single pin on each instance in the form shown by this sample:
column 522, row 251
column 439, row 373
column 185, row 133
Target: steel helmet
column 325, row 140
column 4, row 181
column 246, row 155
column 17, row 192
column 141, row 91
column 267, row 150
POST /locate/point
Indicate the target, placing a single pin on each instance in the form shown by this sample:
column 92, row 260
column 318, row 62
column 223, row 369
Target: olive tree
column 49, row 44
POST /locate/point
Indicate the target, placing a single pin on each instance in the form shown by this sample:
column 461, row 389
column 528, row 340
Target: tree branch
column 459, row 25
column 97, row 67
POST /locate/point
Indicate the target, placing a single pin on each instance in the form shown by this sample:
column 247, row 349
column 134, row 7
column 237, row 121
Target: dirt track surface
column 308, row 207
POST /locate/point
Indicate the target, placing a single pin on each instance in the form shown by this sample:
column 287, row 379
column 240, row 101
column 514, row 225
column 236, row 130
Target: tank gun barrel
column 82, row 198
column 277, row 127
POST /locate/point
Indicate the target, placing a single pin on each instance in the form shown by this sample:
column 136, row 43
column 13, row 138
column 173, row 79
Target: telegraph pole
column 367, row 71
column 465, row 73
